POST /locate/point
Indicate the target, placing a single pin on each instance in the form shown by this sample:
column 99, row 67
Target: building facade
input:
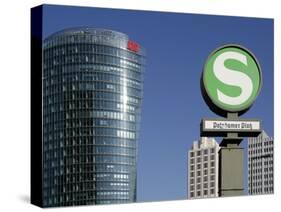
column 260, row 165
column 203, row 169
column 92, row 93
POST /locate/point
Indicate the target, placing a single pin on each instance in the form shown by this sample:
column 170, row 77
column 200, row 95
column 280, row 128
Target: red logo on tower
column 133, row 46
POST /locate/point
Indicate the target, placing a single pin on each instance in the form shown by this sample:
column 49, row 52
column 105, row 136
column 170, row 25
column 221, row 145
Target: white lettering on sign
column 233, row 77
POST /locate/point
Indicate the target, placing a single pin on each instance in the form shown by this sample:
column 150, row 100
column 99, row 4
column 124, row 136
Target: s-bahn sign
column 231, row 80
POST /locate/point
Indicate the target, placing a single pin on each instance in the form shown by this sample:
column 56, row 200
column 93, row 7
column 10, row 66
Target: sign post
column 230, row 83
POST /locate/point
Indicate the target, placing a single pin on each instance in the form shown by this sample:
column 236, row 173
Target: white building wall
column 260, row 165
column 203, row 169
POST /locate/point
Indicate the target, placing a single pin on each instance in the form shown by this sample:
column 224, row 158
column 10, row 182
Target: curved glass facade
column 92, row 93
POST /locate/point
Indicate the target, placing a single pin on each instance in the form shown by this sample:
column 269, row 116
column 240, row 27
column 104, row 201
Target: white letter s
column 232, row 77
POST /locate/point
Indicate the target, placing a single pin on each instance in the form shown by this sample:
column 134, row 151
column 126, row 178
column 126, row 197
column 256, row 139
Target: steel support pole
column 231, row 164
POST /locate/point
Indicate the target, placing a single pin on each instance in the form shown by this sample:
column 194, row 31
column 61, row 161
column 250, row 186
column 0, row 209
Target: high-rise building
column 203, row 169
column 92, row 84
column 260, row 164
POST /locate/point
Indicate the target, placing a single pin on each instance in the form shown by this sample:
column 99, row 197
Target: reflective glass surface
column 92, row 94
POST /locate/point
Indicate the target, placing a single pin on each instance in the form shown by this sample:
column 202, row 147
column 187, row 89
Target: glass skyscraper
column 92, row 95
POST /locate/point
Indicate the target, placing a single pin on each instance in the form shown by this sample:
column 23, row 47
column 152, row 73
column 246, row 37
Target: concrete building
column 260, row 164
column 203, row 169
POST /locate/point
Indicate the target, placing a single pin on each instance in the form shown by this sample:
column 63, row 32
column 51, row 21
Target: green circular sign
column 231, row 79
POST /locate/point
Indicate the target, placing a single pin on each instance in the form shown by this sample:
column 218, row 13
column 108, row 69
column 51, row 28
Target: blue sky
column 177, row 46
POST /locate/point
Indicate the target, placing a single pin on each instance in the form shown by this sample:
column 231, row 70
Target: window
column 103, row 122
column 191, row 194
column 205, row 192
column 205, row 152
column 198, row 153
column 191, row 154
column 198, row 193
